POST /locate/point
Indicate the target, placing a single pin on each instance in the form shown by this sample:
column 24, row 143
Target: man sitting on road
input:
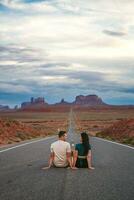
column 60, row 152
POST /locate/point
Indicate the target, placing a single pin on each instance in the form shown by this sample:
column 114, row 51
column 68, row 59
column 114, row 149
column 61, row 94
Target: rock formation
column 35, row 103
column 3, row 108
column 90, row 100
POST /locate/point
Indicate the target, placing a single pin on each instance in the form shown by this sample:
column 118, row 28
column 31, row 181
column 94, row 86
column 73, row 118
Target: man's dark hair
column 61, row 133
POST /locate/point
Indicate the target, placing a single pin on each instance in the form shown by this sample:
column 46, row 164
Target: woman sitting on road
column 82, row 153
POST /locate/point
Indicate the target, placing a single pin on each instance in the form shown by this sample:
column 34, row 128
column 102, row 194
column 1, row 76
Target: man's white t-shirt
column 60, row 148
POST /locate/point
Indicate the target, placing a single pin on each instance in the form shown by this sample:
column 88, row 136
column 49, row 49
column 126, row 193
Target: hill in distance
column 81, row 100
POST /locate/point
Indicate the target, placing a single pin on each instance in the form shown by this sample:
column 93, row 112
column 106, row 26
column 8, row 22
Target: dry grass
column 18, row 126
column 96, row 121
column 34, row 116
column 90, row 120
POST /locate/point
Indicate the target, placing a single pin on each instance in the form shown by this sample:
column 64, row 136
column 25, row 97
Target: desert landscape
column 110, row 122
column 37, row 118
column 19, row 126
column 115, row 123
column 66, row 65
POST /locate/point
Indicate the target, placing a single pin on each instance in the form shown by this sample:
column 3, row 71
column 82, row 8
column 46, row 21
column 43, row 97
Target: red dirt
column 122, row 128
column 11, row 130
column 15, row 131
column 92, row 127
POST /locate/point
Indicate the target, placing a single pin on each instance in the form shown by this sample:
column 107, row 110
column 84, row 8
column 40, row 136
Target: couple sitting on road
column 62, row 155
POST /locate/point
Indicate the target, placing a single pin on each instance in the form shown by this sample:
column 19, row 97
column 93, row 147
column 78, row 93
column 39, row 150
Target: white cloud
column 11, row 88
column 8, row 62
column 67, row 36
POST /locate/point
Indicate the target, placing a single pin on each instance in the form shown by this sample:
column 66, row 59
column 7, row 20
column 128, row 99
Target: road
column 21, row 177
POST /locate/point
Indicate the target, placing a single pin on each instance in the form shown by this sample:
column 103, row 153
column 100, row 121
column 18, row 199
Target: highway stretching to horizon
column 22, row 177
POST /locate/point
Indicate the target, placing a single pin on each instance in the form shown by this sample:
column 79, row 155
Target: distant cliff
column 3, row 108
column 40, row 103
column 90, row 100
column 35, row 103
column 81, row 101
column 63, row 103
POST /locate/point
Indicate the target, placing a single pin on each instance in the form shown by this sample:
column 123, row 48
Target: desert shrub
column 16, row 122
column 1, row 131
column 8, row 123
column 21, row 135
column 99, row 134
column 9, row 142
column 129, row 140
column 95, row 126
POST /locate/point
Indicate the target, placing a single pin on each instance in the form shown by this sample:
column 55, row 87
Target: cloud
column 38, row 79
column 13, row 88
column 114, row 33
column 63, row 48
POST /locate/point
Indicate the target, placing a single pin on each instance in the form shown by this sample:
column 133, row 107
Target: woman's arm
column 89, row 160
column 75, row 156
column 70, row 161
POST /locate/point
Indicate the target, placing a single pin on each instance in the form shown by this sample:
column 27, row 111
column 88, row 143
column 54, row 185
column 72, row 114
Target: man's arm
column 50, row 162
column 69, row 158
column 68, row 154
column 51, row 159
column 70, row 161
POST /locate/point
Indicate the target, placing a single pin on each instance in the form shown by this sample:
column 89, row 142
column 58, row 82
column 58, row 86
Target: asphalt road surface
column 21, row 177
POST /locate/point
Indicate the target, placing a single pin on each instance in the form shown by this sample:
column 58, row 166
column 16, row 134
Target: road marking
column 21, row 145
column 115, row 143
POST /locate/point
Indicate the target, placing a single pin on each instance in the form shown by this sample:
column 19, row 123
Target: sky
column 64, row 48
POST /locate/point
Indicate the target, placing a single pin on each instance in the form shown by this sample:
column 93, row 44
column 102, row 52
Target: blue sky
column 63, row 48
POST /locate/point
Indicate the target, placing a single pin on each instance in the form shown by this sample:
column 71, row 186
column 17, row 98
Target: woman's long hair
column 85, row 142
